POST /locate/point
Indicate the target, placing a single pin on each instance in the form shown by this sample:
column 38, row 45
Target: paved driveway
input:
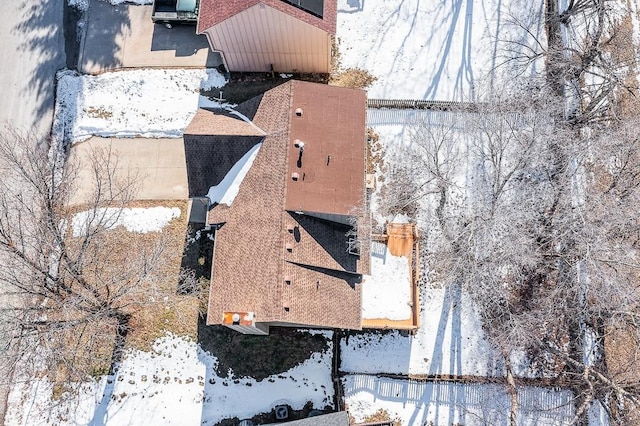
column 125, row 37
column 32, row 49
column 158, row 163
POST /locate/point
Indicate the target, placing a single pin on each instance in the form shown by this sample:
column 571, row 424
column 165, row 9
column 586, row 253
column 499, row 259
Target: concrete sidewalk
column 158, row 164
column 125, row 37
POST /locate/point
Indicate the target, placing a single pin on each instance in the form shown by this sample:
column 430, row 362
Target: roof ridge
column 281, row 243
column 244, row 118
column 214, row 12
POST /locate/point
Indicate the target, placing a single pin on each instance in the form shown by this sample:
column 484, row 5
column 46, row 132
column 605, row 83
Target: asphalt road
column 32, row 48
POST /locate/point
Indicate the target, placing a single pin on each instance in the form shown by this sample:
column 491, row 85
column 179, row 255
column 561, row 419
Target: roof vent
column 286, row 309
column 289, row 247
column 298, row 143
column 291, row 227
column 298, row 112
column 295, row 176
column 287, row 279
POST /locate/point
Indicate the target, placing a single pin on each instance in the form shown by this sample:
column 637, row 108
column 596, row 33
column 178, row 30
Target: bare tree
column 536, row 222
column 72, row 282
column 587, row 50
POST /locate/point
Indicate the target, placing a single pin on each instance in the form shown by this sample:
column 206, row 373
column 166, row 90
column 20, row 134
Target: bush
column 354, row 78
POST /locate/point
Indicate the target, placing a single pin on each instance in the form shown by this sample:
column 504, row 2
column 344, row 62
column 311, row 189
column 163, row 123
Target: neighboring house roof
column 212, row 12
column 285, row 266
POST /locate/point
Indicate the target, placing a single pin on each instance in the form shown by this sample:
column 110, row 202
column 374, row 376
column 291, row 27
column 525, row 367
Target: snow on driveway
column 435, row 50
column 148, row 103
column 174, row 384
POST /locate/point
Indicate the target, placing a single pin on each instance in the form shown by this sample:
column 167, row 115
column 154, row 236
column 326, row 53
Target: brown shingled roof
column 224, row 122
column 261, row 263
column 213, row 12
column 330, row 166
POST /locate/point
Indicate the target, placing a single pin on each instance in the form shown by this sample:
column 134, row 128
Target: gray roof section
column 340, row 418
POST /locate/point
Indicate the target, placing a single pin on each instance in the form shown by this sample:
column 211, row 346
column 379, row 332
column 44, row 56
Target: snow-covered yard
column 450, row 340
column 149, row 103
column 434, row 50
column 174, row 384
column 138, row 219
column 418, row 50
column 454, row 403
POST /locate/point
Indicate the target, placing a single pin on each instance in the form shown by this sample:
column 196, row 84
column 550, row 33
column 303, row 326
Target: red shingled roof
column 213, row 12
column 285, row 267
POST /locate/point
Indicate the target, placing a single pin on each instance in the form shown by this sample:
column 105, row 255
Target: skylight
column 314, row 7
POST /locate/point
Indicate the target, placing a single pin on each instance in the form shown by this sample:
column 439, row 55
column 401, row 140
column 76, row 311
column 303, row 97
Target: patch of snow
column 213, row 80
column 137, row 219
column 225, row 192
column 81, row 5
column 591, row 353
column 521, row 364
column 438, row 50
column 598, row 415
column 444, row 403
column 174, row 384
column 206, row 102
column 195, row 237
column 386, row 293
column 146, row 103
column 286, row 75
column 326, row 333
column 633, row 14
column 401, row 218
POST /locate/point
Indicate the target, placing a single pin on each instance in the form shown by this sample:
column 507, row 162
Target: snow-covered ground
column 445, row 403
column 137, row 219
column 146, row 103
column 450, row 340
column 174, row 384
column 436, row 50
column 386, row 293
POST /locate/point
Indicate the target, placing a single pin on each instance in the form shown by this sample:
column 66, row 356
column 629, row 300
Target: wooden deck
column 401, row 240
